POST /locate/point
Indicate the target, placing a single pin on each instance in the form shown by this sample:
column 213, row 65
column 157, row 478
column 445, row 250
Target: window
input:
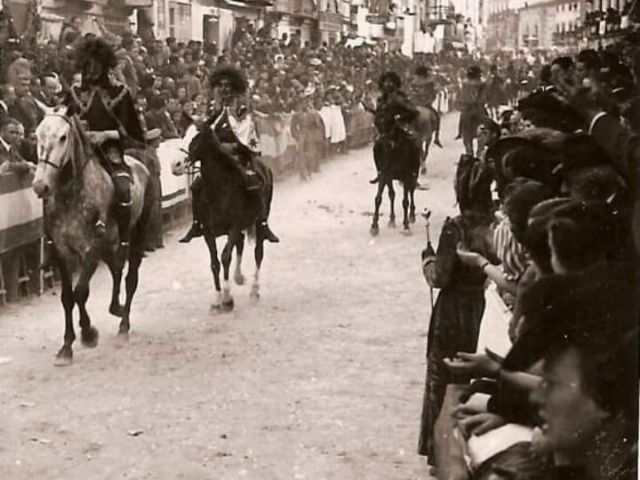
column 172, row 22
column 180, row 21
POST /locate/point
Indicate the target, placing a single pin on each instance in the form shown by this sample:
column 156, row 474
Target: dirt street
column 321, row 379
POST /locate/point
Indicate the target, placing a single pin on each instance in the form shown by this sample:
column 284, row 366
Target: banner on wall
column 20, row 212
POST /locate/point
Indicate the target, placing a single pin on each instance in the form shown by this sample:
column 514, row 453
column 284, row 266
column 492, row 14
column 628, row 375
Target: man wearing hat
column 393, row 109
column 108, row 110
column 472, row 106
column 239, row 143
column 425, row 94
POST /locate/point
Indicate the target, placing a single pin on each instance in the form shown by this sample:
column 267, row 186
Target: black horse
column 227, row 208
column 397, row 157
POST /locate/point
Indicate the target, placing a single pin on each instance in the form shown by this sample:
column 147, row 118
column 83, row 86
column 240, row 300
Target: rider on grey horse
column 107, row 111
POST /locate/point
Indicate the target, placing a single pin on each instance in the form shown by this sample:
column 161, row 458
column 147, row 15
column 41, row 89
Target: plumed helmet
column 98, row 49
column 229, row 72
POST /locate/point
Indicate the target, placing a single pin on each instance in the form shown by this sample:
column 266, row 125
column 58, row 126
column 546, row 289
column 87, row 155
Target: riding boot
column 196, row 225
column 123, row 219
column 122, row 190
column 251, row 178
column 262, row 220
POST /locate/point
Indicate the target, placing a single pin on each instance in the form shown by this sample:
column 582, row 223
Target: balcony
column 297, row 8
column 330, row 18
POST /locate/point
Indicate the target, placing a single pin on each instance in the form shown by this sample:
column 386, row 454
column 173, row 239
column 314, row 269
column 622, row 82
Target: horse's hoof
column 123, row 335
column 239, row 279
column 407, row 232
column 89, row 337
column 374, row 231
column 215, row 308
column 64, row 358
column 255, row 294
column 227, row 306
column 412, row 218
column 423, row 171
column 117, row 310
column 392, row 223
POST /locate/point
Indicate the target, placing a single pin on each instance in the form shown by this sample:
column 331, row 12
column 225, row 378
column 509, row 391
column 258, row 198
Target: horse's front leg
column 375, row 229
column 237, row 275
column 424, row 151
column 405, row 208
column 227, row 253
column 88, row 333
column 392, row 202
column 259, row 255
column 131, row 285
column 115, row 307
column 65, row 354
column 210, row 238
column 412, row 206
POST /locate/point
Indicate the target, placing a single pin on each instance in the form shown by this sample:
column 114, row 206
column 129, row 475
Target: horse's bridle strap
column 47, row 162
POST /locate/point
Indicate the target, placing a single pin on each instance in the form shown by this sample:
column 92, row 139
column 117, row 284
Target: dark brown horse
column 227, row 208
column 397, row 157
column 79, row 191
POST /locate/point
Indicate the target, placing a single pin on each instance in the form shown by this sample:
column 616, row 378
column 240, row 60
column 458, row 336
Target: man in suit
column 621, row 145
column 10, row 158
column 7, row 99
column 158, row 117
column 49, row 94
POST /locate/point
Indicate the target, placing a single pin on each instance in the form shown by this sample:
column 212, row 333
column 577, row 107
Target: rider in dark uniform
column 236, row 132
column 425, row 94
column 394, row 113
column 107, row 111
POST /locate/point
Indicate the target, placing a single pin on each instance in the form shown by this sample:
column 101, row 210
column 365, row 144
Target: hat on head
column 231, row 73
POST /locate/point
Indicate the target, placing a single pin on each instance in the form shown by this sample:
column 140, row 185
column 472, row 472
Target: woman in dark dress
column 456, row 316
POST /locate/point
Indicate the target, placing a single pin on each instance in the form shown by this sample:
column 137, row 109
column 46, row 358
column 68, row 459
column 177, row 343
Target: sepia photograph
column 319, row 239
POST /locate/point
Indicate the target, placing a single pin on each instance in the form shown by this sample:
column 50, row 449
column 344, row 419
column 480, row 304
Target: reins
column 72, row 137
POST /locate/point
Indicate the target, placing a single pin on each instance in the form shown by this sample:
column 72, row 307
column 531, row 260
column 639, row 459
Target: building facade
column 536, row 25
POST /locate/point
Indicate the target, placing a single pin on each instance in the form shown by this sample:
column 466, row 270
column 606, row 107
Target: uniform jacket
column 108, row 108
column 390, row 109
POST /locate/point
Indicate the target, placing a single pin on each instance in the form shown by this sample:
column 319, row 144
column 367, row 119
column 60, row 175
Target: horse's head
column 58, row 137
column 187, row 156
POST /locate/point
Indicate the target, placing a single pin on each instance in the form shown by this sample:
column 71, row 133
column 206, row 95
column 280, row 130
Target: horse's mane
column 82, row 150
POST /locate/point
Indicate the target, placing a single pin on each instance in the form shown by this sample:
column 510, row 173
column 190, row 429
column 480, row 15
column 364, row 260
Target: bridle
column 72, row 132
column 68, row 121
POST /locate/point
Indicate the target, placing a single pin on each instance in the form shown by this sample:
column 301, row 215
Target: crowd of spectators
column 559, row 237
